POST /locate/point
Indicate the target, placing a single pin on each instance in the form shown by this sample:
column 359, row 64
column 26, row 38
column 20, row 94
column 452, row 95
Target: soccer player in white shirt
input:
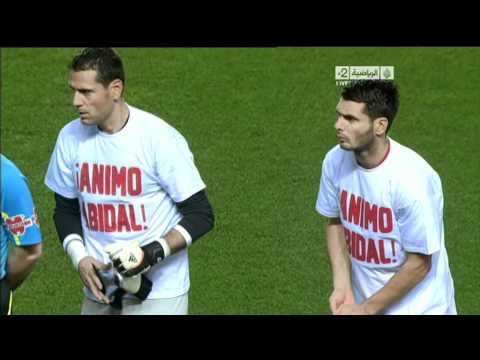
column 129, row 198
column 384, row 202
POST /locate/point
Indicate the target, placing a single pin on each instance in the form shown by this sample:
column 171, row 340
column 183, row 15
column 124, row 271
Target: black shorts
column 5, row 298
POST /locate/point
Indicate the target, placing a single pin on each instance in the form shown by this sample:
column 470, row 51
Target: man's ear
column 380, row 126
column 116, row 89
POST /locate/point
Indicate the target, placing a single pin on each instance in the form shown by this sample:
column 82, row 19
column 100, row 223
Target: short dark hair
column 105, row 61
column 380, row 96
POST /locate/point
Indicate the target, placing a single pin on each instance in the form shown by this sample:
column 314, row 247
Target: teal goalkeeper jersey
column 19, row 222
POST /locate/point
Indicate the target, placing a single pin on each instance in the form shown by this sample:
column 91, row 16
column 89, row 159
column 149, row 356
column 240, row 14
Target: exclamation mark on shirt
column 145, row 227
column 393, row 250
column 76, row 173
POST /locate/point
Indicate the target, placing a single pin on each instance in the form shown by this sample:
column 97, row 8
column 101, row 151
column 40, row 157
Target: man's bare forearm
column 175, row 240
column 337, row 251
column 413, row 271
column 21, row 264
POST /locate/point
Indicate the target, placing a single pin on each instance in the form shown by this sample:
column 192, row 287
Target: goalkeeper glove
column 138, row 285
column 130, row 259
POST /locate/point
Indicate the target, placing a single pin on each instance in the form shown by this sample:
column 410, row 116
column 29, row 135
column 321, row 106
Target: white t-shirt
column 127, row 184
column 387, row 211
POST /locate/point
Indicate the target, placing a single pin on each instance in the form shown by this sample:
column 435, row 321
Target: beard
column 363, row 142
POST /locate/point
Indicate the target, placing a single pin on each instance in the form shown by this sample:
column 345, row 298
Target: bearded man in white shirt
column 384, row 204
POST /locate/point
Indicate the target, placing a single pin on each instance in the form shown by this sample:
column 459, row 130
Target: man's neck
column 374, row 155
column 117, row 119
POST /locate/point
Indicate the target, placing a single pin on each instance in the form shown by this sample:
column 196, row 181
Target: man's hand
column 352, row 309
column 130, row 259
column 88, row 269
column 340, row 297
column 340, row 264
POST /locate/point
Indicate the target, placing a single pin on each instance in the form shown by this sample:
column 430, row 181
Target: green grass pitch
column 259, row 122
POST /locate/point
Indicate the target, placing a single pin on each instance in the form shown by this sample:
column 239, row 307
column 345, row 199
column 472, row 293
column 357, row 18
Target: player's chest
column 366, row 189
column 121, row 175
column 368, row 216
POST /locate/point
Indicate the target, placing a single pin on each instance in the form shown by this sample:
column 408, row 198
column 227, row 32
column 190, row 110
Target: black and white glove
column 138, row 285
column 130, row 259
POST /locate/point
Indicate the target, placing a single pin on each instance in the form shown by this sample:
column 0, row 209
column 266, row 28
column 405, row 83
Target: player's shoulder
column 413, row 176
column 7, row 164
column 147, row 119
column 9, row 167
column 152, row 125
column 10, row 172
column 409, row 159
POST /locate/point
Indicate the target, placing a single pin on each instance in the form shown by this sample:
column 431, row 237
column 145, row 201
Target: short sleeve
column 18, row 210
column 327, row 202
column 175, row 167
column 60, row 176
column 420, row 218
